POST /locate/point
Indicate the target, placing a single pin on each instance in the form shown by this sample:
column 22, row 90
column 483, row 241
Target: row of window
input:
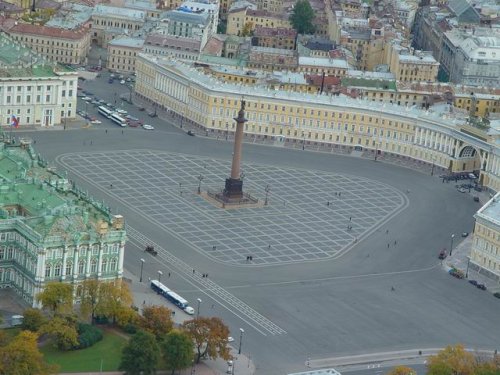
column 95, row 248
column 55, row 270
column 48, row 42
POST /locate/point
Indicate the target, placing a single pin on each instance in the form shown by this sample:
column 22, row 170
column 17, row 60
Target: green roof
column 371, row 83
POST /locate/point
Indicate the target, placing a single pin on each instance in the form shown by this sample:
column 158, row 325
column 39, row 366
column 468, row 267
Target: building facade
column 485, row 252
column 50, row 230
column 36, row 91
column 60, row 45
column 122, row 53
column 274, row 37
column 437, row 138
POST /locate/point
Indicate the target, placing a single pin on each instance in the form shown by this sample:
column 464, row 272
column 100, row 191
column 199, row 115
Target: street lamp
column 200, row 178
column 199, row 303
column 159, row 276
column 142, row 266
column 227, row 130
column 303, row 141
column 451, row 247
column 242, row 331
column 467, row 270
column 433, row 165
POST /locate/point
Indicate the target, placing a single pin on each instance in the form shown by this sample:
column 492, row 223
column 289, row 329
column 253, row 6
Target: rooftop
column 173, row 41
column 117, row 12
column 51, row 32
column 491, row 210
column 368, row 83
column 273, row 51
column 127, row 42
column 275, row 32
column 323, row 62
column 186, row 17
column 71, row 16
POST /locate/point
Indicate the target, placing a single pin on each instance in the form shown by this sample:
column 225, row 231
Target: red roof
column 276, row 32
column 53, row 32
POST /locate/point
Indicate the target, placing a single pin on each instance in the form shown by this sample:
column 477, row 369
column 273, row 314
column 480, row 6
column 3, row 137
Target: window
column 69, row 268
column 57, row 270
column 81, row 267
column 104, row 265
column 93, row 266
column 47, row 270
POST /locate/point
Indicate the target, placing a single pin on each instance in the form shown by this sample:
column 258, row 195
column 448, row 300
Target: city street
column 318, row 290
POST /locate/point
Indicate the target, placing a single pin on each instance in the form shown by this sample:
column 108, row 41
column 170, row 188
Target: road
column 325, row 308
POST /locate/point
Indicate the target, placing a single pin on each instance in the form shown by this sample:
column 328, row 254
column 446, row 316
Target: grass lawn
column 109, row 350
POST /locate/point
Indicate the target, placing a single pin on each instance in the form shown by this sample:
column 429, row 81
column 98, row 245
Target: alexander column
column 234, row 184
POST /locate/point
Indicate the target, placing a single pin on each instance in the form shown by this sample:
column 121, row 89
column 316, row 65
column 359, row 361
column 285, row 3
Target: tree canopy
column 157, row 320
column 57, row 298
column 209, row 336
column 402, row 370
column 177, row 350
column 22, row 357
column 302, row 17
column 141, row 354
column 115, row 297
column 63, row 331
column 33, row 319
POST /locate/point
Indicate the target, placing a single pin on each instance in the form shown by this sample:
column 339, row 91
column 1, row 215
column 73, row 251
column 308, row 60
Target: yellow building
column 479, row 104
column 430, row 137
column 409, row 65
column 238, row 18
column 275, row 37
column 485, row 252
column 122, row 53
column 60, row 45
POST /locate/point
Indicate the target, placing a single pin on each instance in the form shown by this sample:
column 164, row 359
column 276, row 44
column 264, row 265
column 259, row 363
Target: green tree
column 247, row 29
column 115, row 297
column 141, row 354
column 302, row 17
column 33, row 319
column 402, row 370
column 488, row 368
column 57, row 298
column 157, row 320
column 209, row 336
column 22, row 357
column 452, row 360
column 178, row 350
column 90, row 299
column 63, row 331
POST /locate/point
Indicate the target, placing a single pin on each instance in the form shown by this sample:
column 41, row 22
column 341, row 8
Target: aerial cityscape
column 275, row 187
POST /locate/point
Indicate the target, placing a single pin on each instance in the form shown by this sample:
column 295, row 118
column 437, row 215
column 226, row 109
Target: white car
column 97, row 122
column 87, row 99
column 148, row 127
column 230, row 339
column 121, row 111
column 122, row 82
column 189, row 310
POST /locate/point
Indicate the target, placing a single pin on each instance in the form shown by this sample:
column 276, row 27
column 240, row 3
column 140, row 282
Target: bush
column 33, row 320
column 130, row 328
column 88, row 335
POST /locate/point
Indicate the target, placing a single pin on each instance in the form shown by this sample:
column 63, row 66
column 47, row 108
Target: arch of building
column 317, row 119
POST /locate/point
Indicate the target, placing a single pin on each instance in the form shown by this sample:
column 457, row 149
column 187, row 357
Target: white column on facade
column 120, row 259
column 76, row 261
column 65, row 258
column 40, row 267
column 99, row 262
column 87, row 265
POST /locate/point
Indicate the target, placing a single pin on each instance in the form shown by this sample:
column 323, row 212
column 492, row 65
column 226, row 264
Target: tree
column 487, row 368
column 22, row 357
column 141, row 354
column 90, row 298
column 33, row 319
column 302, row 17
column 115, row 297
column 402, row 370
column 63, row 331
column 247, row 29
column 178, row 350
column 209, row 336
column 57, row 298
column 452, row 360
column 157, row 320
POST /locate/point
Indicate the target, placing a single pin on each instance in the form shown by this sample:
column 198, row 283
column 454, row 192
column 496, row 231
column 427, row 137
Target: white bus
column 115, row 117
column 104, row 111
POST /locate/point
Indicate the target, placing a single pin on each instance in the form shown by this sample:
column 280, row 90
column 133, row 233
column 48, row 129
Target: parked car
column 141, row 109
column 481, row 286
column 111, row 80
column 478, row 188
column 476, row 199
column 96, row 122
column 134, row 124
column 190, row 133
column 497, row 294
column 442, row 254
column 122, row 82
column 456, row 273
column 152, row 114
column 465, row 234
column 121, row 111
column 148, row 127
column 462, row 190
column 473, row 282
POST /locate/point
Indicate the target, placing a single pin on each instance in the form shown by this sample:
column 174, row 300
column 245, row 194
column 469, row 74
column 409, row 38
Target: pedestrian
column 392, row 288
column 91, row 143
column 122, row 131
column 214, row 247
column 144, row 302
column 34, row 141
column 169, row 274
column 269, row 246
column 395, row 242
column 328, row 203
column 111, row 186
column 350, row 218
column 339, row 193
column 388, row 245
column 213, row 305
column 387, row 231
column 193, row 272
column 106, row 131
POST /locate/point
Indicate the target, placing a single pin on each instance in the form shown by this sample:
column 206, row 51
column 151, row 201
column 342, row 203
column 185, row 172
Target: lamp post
column 451, row 247
column 242, row 331
column 199, row 304
column 227, row 130
column 467, row 270
column 159, row 276
column 142, row 266
column 200, row 178
column 433, row 165
column 303, row 141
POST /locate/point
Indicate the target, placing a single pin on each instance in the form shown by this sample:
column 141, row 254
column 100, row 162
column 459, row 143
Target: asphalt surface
column 321, row 309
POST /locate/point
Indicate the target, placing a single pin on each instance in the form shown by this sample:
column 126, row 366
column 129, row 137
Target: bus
column 116, row 118
column 105, row 111
column 173, row 297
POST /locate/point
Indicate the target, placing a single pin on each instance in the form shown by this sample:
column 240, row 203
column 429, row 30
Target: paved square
column 298, row 225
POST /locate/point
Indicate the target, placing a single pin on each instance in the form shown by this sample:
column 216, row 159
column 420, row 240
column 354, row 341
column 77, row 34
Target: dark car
column 497, row 294
column 152, row 114
column 481, row 286
column 478, row 188
column 111, row 80
column 476, row 199
column 442, row 254
column 141, row 109
column 150, row 249
column 456, row 273
column 190, row 133
column 473, row 282
column 465, row 234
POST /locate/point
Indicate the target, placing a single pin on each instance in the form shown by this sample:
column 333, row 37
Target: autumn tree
column 302, row 17
column 402, row 370
column 57, row 298
column 247, row 29
column 452, row 360
column 33, row 319
column 63, row 331
column 115, row 298
column 157, row 320
column 177, row 350
column 90, row 298
column 141, row 354
column 21, row 356
column 209, row 336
